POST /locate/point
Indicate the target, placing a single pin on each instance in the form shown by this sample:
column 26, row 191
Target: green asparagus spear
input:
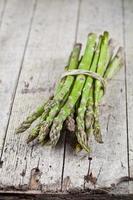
column 58, row 97
column 89, row 115
column 115, row 64
column 66, row 88
column 80, row 132
column 113, row 67
column 76, row 91
column 39, row 111
column 35, row 131
column 31, row 118
column 76, row 98
column 73, row 63
column 61, row 82
column 101, row 68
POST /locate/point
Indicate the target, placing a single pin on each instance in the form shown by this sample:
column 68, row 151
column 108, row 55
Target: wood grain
column 2, row 10
column 51, row 40
column 128, row 32
column 109, row 160
column 36, row 38
column 13, row 34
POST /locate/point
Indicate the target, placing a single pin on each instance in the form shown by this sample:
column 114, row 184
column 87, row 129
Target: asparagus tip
column 20, row 129
column 17, row 131
column 98, row 136
column 100, row 37
column 78, row 148
column 29, row 139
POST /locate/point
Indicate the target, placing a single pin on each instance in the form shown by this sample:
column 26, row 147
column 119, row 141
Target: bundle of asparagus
column 75, row 103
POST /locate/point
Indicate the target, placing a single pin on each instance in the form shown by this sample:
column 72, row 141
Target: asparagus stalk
column 73, row 63
column 80, row 132
column 68, row 82
column 31, row 118
column 101, row 68
column 89, row 116
column 65, row 90
column 35, row 131
column 113, row 67
column 39, row 111
column 89, row 119
column 76, row 91
column 61, row 82
column 77, row 147
column 77, row 98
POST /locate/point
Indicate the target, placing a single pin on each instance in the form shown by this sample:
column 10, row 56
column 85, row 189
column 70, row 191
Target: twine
column 85, row 72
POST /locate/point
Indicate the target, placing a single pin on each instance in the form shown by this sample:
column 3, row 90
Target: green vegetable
column 76, row 91
column 74, row 106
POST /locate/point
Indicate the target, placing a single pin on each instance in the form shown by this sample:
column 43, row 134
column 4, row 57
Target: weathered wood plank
column 51, row 40
column 13, row 35
column 73, row 196
column 109, row 160
column 2, row 10
column 128, row 30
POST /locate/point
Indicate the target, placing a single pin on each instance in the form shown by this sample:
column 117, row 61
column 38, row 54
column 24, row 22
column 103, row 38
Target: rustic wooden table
column 36, row 37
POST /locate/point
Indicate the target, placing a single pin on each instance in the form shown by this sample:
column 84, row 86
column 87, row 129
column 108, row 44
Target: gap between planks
column 19, row 73
column 117, row 36
column 125, row 68
column 75, row 40
column 3, row 11
column 59, row 39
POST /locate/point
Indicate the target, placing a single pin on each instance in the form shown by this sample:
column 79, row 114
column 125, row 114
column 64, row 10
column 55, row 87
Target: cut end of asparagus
column 78, row 45
column 92, row 35
column 100, row 37
column 106, row 34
